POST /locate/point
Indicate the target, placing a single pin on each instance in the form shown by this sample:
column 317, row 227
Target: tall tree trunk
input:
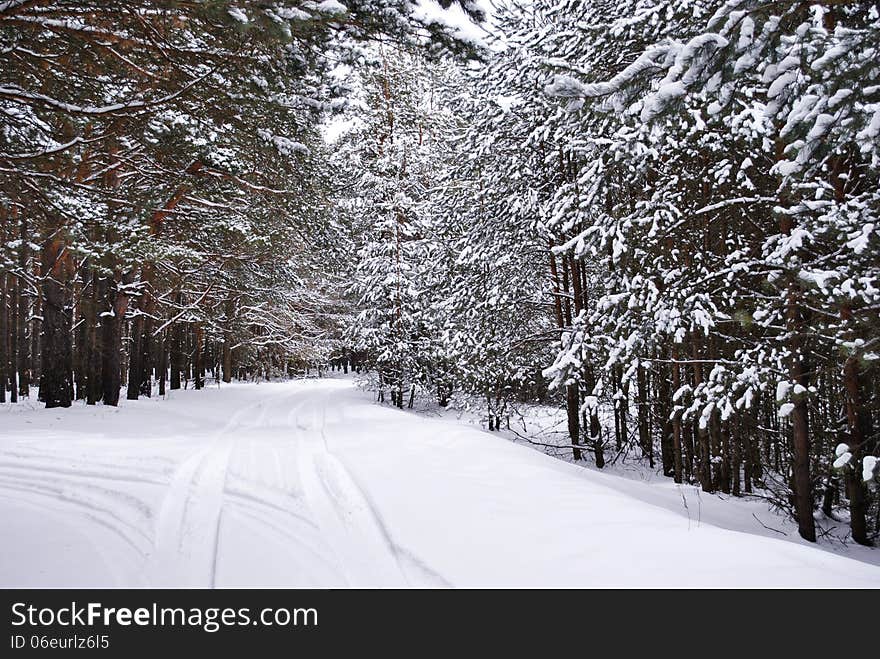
column 227, row 340
column 148, row 352
column 111, row 296
column 595, row 426
column 736, row 457
column 562, row 309
column 557, row 290
column 23, row 256
column 176, row 356
column 801, row 453
column 803, row 495
column 664, row 421
column 112, row 324
column 801, row 480
column 718, row 457
column 711, row 444
column 857, row 421
column 726, row 461
column 676, row 418
column 135, row 356
column 199, row 370
column 56, row 383
column 13, row 339
column 93, row 347
column 705, row 467
column 176, row 351
column 566, row 305
column 4, row 316
column 80, row 349
column 36, row 328
column 644, row 421
column 572, row 410
column 617, row 399
column 163, row 362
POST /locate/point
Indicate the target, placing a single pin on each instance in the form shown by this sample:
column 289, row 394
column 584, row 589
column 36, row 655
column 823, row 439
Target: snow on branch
column 566, row 87
column 33, row 98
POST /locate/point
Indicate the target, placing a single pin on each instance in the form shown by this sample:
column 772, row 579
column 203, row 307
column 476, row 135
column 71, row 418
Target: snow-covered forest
column 659, row 217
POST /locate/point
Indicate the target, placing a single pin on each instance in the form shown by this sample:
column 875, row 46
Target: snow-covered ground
column 309, row 483
column 543, row 427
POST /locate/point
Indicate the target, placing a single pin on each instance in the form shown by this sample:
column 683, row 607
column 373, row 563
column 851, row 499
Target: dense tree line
column 747, row 140
column 164, row 205
column 670, row 208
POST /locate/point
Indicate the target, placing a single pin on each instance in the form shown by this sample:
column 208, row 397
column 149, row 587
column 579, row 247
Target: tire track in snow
column 299, row 496
column 106, row 528
column 60, row 498
column 344, row 512
column 52, row 473
column 124, row 574
column 419, row 573
column 264, row 494
column 258, row 514
column 69, row 486
column 188, row 525
column 75, row 491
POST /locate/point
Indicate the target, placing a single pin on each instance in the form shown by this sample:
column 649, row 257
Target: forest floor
column 310, row 483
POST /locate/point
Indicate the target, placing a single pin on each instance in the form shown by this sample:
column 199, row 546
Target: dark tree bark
column 23, row 256
column 664, row 421
column 748, row 452
column 13, row 339
column 736, row 455
column 566, row 307
column 199, row 370
column 36, row 329
column 162, row 346
column 718, row 443
column 93, row 361
column 717, row 457
column 644, row 421
column 726, row 462
column 4, row 317
column 857, row 422
column 572, row 410
column 135, row 357
column 595, row 426
column 176, row 356
column 803, row 495
column 176, row 350
column 227, row 340
column 704, row 471
column 148, row 353
column 676, row 419
column 557, row 290
column 56, row 383
column 621, row 405
column 112, row 323
column 80, row 351
column 798, row 374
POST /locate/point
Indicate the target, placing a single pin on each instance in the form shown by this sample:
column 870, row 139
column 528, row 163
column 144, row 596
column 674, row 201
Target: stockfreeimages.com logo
column 209, row 619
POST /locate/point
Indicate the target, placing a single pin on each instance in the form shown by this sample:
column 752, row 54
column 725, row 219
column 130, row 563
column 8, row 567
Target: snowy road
column 309, row 483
